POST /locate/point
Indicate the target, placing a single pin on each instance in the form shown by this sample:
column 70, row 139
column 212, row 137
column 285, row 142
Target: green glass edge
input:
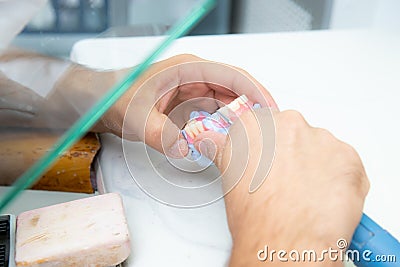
column 83, row 125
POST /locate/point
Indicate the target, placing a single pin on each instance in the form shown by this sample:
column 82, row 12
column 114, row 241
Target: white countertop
column 345, row 81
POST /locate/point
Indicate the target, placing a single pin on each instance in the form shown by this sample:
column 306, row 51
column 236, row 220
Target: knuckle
column 354, row 169
column 349, row 153
column 325, row 134
column 291, row 128
column 357, row 180
column 293, row 119
column 326, row 137
column 365, row 186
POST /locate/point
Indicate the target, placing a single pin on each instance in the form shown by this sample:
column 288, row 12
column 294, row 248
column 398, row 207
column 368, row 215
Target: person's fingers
column 221, row 77
column 175, row 80
column 258, row 95
column 226, row 82
column 163, row 135
column 211, row 145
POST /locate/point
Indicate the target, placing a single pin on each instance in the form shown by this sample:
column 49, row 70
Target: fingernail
column 179, row 149
column 207, row 148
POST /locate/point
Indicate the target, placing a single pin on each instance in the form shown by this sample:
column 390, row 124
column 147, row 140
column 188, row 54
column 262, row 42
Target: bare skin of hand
column 164, row 86
column 142, row 113
column 312, row 196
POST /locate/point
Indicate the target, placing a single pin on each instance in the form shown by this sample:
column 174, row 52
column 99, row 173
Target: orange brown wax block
column 20, row 148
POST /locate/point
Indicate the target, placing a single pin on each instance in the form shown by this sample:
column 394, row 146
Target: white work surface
column 347, row 82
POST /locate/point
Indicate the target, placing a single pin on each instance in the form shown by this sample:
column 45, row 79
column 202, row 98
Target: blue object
column 200, row 159
column 371, row 246
column 376, row 246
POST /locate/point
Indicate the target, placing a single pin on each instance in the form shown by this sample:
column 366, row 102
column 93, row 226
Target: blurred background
column 63, row 22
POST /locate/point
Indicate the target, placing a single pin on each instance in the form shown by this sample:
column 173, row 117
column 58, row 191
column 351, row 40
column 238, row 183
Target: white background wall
column 289, row 15
column 366, row 14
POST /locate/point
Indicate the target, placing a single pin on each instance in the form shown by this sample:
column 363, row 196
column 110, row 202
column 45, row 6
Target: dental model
column 220, row 121
column 201, row 121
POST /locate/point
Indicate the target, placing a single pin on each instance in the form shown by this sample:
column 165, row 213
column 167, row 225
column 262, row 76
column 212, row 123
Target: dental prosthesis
column 219, row 121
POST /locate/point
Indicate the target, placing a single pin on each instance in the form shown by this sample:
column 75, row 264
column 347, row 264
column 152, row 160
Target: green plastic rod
column 84, row 124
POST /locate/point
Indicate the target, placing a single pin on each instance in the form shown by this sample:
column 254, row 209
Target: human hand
column 312, row 197
column 159, row 103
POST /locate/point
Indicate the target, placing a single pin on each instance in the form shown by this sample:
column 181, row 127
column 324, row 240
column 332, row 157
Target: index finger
column 220, row 76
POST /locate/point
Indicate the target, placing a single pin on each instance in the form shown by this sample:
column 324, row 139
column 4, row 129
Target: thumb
column 211, row 144
column 163, row 135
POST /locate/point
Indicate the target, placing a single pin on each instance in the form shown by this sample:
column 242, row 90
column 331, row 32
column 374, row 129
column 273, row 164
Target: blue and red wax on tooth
column 219, row 121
